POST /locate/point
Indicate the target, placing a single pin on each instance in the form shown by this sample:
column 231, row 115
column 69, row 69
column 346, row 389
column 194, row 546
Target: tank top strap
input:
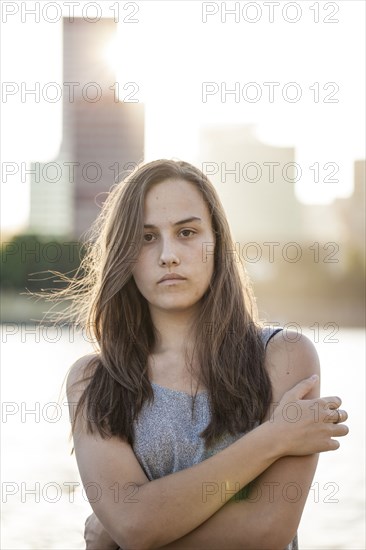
column 268, row 332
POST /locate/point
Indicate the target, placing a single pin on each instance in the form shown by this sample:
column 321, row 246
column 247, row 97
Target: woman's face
column 178, row 238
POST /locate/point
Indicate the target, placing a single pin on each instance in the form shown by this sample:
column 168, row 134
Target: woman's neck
column 172, row 362
column 173, row 332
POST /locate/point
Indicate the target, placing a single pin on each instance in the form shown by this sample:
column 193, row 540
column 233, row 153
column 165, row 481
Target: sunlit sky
column 169, row 53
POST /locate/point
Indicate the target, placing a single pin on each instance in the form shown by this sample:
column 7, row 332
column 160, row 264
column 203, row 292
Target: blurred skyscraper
column 343, row 220
column 103, row 138
column 351, row 211
column 256, row 183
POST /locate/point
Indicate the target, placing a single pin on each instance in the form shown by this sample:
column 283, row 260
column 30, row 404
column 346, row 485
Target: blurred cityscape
column 306, row 261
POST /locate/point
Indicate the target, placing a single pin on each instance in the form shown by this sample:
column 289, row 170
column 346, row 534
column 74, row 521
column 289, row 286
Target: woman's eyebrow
column 187, row 220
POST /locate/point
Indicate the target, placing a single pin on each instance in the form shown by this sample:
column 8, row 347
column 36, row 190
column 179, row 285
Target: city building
column 255, row 181
column 103, row 137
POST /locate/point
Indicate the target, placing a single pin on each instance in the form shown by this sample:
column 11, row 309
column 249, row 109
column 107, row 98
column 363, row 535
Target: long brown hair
column 226, row 331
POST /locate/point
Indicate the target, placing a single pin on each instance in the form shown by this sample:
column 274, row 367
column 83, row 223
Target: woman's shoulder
column 77, row 380
column 290, row 357
column 80, row 372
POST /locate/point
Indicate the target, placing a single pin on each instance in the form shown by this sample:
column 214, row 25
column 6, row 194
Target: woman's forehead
column 175, row 196
column 173, row 185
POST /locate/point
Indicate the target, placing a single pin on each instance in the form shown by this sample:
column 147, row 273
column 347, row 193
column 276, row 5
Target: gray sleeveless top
column 167, row 431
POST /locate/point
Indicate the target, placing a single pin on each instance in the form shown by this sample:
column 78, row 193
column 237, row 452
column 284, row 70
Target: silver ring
column 339, row 418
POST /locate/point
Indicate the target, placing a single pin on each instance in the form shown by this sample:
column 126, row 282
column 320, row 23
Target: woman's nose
column 168, row 253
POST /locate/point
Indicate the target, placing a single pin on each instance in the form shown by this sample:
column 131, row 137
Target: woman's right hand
column 307, row 426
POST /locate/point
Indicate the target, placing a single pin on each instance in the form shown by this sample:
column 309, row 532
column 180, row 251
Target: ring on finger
column 339, row 416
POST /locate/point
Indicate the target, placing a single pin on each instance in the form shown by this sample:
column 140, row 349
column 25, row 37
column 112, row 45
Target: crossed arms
column 171, row 512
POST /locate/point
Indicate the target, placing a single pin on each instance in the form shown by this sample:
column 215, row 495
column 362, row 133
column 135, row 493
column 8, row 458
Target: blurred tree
column 27, row 259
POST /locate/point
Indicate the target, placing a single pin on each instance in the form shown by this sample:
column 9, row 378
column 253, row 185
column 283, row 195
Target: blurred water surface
column 43, row 504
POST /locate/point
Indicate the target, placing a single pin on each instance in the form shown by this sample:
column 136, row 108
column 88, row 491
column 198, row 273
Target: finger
column 332, row 402
column 339, row 430
column 336, row 416
column 341, row 416
column 303, row 387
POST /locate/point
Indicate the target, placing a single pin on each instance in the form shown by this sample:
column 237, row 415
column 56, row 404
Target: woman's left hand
column 96, row 537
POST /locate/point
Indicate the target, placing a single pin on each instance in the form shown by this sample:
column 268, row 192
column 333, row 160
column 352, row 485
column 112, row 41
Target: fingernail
column 314, row 377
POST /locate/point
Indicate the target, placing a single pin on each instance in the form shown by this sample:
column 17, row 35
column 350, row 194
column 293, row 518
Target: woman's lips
column 171, row 277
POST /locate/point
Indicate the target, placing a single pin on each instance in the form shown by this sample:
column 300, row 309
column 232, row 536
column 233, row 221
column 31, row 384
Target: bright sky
column 169, row 52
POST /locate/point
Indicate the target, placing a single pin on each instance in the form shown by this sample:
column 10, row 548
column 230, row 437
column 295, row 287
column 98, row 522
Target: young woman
column 190, row 432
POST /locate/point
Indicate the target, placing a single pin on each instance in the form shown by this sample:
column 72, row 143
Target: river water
column 43, row 503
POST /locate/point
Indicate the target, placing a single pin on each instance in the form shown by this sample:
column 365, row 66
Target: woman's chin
column 175, row 305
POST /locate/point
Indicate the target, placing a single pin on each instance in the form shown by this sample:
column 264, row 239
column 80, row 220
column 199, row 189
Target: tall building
column 351, row 211
column 103, row 138
column 343, row 220
column 255, row 181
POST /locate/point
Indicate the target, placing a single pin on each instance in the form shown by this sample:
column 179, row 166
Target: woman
column 189, row 432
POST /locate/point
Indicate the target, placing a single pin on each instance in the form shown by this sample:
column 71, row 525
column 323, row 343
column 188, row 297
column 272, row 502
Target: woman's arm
column 270, row 516
column 280, row 492
column 96, row 537
column 151, row 515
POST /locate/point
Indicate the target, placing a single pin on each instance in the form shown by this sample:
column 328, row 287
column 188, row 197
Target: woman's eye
column 147, row 238
column 187, row 231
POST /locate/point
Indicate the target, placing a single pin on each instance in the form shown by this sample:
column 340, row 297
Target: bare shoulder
column 79, row 371
column 290, row 357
